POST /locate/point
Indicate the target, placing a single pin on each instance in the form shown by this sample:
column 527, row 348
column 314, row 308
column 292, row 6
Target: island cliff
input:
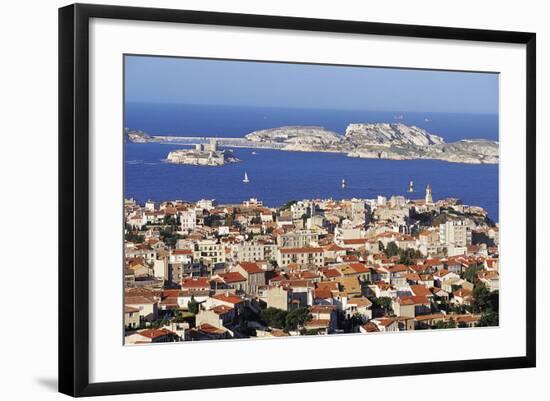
column 380, row 141
column 374, row 140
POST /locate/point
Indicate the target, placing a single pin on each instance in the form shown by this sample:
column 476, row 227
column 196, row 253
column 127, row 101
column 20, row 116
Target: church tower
column 429, row 199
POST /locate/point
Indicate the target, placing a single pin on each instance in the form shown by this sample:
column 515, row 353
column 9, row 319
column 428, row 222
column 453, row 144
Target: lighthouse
column 343, row 183
column 411, row 186
column 429, row 199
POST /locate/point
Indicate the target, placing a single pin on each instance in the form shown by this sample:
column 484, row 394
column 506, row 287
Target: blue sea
column 279, row 176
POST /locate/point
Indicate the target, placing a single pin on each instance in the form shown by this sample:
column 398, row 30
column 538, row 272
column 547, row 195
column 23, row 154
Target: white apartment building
column 456, row 233
column 210, row 252
column 297, row 239
column 188, row 219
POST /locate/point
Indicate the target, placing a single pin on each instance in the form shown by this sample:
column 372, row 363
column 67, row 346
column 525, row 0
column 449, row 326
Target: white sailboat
column 245, row 179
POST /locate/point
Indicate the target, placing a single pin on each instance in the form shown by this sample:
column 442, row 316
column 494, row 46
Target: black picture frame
column 74, row 198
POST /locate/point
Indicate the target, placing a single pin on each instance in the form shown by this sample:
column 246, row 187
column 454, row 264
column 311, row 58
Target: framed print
column 254, row 200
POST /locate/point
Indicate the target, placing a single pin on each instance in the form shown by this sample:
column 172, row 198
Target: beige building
column 217, row 316
column 148, row 309
column 253, row 251
column 297, row 239
column 131, row 317
column 278, row 297
column 210, row 252
column 300, row 256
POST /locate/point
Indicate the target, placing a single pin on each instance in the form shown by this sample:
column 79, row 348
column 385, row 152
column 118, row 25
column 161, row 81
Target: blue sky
column 261, row 84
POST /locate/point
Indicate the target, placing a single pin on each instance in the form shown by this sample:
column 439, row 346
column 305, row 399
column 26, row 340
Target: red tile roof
column 359, row 268
column 138, row 300
column 413, row 300
column 322, row 293
column 331, row 273
column 232, row 277
column 398, row 268
column 250, row 267
column 195, row 282
column 420, row 290
column 155, row 333
column 370, row 327
column 221, row 309
column 355, row 241
column 182, row 252
column 209, row 329
column 231, row 299
column 334, row 248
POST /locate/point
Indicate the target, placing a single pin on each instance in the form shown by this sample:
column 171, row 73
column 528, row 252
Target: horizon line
column 488, row 113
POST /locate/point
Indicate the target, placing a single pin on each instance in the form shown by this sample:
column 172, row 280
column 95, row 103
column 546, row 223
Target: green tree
column 481, row 297
column 169, row 237
column 384, row 304
column 304, row 219
column 274, row 317
column 229, row 220
column 441, row 324
column 391, row 249
column 193, row 306
column 409, row 256
column 455, row 287
column 169, row 220
column 213, row 220
column 489, row 318
column 133, row 236
column 471, row 272
column 288, row 204
column 494, row 301
column 297, row 318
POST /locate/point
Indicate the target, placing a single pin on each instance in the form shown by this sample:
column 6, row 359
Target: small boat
column 427, row 120
column 245, row 179
column 253, row 153
column 411, row 186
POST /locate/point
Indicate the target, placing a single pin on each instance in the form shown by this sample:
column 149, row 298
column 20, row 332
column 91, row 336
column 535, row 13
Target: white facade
column 456, row 233
column 188, row 219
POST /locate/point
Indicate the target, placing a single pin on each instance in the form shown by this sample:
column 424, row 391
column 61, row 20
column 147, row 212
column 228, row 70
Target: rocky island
column 137, row 136
column 395, row 141
column 202, row 155
column 380, row 141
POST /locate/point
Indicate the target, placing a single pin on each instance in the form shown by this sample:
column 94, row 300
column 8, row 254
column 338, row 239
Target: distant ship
column 245, row 179
column 343, row 183
column 253, row 153
column 411, row 186
column 427, row 120
column 398, row 117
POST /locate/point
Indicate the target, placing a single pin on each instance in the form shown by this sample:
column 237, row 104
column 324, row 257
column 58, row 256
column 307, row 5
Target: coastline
column 243, row 143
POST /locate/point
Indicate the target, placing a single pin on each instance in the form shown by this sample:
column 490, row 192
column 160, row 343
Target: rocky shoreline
column 372, row 141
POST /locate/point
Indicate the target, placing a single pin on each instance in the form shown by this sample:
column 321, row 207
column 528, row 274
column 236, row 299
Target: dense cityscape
column 207, row 271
